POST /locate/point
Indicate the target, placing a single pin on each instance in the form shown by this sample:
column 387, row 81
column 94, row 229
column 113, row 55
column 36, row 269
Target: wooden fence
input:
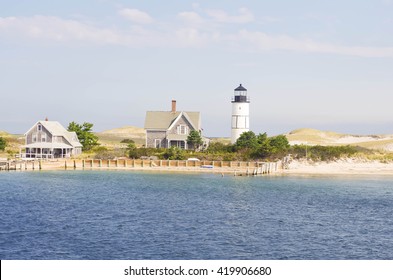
column 238, row 167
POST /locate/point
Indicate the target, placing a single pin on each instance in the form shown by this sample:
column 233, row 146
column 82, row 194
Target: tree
column 194, row 139
column 85, row 135
column 279, row 144
column 132, row 150
column 247, row 140
column 3, row 143
column 264, row 148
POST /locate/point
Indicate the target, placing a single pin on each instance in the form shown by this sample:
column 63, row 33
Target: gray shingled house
column 165, row 129
column 49, row 139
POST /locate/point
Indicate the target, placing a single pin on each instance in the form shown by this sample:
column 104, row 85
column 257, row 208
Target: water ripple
column 125, row 215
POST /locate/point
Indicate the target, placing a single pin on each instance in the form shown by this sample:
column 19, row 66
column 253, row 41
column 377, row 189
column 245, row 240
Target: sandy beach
column 343, row 166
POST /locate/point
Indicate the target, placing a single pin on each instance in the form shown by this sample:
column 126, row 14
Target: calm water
column 127, row 215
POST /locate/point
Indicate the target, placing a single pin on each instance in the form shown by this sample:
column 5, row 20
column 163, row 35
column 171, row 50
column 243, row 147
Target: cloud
column 56, row 29
column 191, row 17
column 245, row 16
column 194, row 32
column 259, row 41
column 49, row 29
column 136, row 16
column 191, row 37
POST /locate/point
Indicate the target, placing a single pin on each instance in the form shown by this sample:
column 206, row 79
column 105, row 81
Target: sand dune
column 116, row 135
column 328, row 138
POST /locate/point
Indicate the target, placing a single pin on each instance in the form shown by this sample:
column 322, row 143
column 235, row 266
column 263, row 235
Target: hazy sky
column 307, row 63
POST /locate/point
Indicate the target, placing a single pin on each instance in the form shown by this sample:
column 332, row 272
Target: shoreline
column 177, row 166
column 354, row 167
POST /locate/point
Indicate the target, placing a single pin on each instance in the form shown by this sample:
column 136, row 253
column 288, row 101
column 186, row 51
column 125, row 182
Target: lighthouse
column 240, row 113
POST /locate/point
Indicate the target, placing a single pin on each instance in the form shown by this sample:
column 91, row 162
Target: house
column 165, row 129
column 49, row 139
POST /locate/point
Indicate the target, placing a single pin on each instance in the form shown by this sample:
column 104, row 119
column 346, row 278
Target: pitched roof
column 56, row 129
column 162, row 120
column 240, row 88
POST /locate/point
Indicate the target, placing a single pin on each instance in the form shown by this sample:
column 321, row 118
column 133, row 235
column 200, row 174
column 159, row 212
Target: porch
column 176, row 140
column 46, row 151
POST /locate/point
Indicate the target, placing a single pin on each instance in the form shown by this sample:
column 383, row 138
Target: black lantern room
column 241, row 94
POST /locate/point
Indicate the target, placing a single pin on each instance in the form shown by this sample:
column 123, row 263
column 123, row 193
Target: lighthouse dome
column 240, row 88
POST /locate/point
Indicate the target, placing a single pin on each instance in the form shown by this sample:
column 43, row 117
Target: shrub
column 3, row 144
column 127, row 141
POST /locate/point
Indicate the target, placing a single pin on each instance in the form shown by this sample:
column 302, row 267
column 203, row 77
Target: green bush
column 3, row 144
column 127, row 141
column 175, row 153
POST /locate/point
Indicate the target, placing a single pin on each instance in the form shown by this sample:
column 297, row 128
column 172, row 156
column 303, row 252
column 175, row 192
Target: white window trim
column 157, row 141
column 179, row 129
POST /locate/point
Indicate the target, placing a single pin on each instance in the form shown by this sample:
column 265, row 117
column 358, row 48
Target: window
column 39, row 127
column 182, row 129
column 34, row 138
column 179, row 144
column 43, row 137
column 157, row 143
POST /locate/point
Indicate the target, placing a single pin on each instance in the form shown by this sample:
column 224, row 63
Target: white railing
column 43, row 156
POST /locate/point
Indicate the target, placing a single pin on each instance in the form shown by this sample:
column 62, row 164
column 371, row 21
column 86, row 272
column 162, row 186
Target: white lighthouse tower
column 240, row 113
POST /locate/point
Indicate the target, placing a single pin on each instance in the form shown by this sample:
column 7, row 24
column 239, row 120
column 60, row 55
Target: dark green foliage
column 219, row 151
column 251, row 146
column 3, row 144
column 85, row 135
column 133, row 152
column 175, row 153
column 279, row 145
column 247, row 141
column 263, row 149
column 127, row 141
column 194, row 139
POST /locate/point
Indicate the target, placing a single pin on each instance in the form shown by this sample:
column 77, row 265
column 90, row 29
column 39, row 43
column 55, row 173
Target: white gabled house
column 48, row 140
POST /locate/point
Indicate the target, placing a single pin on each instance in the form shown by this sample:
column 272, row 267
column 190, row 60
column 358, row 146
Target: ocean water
column 131, row 215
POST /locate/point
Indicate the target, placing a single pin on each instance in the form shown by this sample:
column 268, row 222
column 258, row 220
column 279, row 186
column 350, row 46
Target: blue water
column 129, row 215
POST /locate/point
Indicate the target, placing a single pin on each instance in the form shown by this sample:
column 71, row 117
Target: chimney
column 46, row 119
column 173, row 106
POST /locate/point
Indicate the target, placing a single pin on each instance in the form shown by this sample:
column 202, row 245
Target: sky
column 317, row 64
